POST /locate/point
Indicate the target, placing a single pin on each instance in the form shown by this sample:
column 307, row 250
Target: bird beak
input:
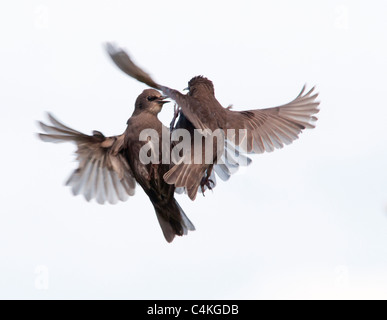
column 186, row 89
column 161, row 100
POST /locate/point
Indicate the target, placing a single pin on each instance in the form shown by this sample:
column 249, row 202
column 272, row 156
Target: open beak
column 161, row 100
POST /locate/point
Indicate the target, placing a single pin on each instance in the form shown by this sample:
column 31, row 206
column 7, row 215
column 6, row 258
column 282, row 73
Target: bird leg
column 153, row 172
column 206, row 181
column 176, row 114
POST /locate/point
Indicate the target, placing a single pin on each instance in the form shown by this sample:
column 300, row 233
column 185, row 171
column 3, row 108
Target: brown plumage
column 109, row 167
column 264, row 129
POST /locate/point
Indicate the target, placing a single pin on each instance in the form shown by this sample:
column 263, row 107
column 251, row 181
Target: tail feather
column 172, row 219
column 166, row 227
column 187, row 224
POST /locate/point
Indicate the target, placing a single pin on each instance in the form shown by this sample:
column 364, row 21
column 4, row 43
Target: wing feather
column 272, row 128
column 103, row 172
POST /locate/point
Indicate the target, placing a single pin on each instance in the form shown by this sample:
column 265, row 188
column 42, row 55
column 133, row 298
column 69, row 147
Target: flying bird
column 251, row 131
column 109, row 167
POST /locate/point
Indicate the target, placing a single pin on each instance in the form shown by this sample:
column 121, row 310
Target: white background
column 307, row 221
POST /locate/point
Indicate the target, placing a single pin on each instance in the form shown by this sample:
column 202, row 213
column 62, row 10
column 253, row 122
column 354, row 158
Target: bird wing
column 103, row 172
column 272, row 128
column 121, row 58
column 187, row 177
column 123, row 61
column 187, row 173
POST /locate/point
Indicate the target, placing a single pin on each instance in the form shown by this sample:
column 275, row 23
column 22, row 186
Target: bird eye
column 151, row 98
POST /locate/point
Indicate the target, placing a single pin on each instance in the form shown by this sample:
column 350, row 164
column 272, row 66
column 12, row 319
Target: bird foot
column 176, row 114
column 206, row 182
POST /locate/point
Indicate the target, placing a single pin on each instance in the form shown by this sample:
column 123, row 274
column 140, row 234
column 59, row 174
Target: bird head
column 151, row 101
column 200, row 85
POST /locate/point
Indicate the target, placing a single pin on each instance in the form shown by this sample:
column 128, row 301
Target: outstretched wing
column 103, row 172
column 125, row 63
column 121, row 58
column 272, row 128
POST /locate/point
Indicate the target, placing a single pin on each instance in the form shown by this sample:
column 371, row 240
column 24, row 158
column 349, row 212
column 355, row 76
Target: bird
column 109, row 167
column 249, row 131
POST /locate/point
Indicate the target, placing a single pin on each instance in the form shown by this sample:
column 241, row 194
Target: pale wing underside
column 272, row 128
column 103, row 172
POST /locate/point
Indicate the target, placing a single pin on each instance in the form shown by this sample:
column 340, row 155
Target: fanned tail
column 172, row 219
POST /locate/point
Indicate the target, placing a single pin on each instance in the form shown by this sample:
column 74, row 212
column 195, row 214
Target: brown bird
column 261, row 129
column 110, row 166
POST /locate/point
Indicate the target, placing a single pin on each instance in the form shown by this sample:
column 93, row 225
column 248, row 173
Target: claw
column 206, row 182
column 177, row 112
